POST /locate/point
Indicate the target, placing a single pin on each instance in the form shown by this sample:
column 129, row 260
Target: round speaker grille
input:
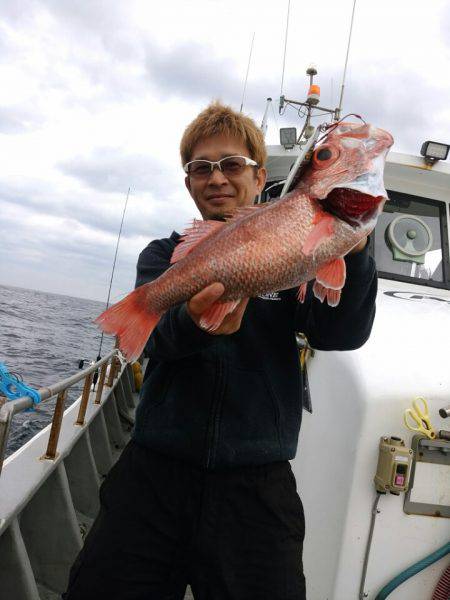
column 410, row 235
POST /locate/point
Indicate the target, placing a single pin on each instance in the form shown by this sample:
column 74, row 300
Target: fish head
column 345, row 173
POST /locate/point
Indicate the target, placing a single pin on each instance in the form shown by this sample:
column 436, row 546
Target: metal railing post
column 10, row 408
column 101, row 383
column 84, row 399
column 7, row 411
column 5, row 424
column 56, row 426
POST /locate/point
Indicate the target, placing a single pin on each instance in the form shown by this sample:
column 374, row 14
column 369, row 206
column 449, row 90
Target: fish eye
column 324, row 156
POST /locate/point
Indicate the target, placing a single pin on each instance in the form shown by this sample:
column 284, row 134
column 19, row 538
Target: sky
column 95, row 96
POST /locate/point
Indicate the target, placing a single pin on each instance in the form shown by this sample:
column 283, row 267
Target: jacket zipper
column 214, row 417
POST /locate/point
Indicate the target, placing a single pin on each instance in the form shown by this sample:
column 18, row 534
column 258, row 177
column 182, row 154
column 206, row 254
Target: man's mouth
column 219, row 199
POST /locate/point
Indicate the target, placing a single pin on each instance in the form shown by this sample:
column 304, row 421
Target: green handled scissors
column 421, row 417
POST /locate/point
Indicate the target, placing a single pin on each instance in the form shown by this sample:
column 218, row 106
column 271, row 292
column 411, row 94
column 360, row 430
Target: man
column 204, row 493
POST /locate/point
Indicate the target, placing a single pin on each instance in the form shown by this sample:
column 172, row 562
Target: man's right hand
column 199, row 303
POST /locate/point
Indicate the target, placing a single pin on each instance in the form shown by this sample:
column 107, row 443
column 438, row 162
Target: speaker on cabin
column 410, row 238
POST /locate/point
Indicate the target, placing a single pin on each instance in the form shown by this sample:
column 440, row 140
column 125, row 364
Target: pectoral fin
column 321, row 292
column 330, row 280
column 332, row 275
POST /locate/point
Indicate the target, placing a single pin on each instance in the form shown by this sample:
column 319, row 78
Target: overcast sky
column 96, row 94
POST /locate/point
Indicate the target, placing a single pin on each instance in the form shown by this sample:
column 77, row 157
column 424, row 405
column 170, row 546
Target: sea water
column 43, row 336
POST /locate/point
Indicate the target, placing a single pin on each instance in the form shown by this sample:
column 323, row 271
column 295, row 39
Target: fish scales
column 276, row 246
column 257, row 253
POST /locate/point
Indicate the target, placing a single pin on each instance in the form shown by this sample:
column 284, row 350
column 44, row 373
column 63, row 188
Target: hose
column 410, row 571
column 442, row 591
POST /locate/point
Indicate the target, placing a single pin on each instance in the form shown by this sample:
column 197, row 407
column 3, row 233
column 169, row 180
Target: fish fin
column 323, row 229
column 332, row 275
column 320, row 291
column 212, row 318
column 192, row 236
column 333, row 297
column 301, row 294
column 131, row 321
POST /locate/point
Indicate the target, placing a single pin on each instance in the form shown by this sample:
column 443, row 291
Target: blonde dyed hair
column 218, row 119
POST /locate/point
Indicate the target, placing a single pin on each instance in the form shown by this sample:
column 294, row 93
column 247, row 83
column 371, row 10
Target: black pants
column 163, row 524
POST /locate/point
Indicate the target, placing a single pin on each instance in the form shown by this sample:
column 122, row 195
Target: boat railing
column 106, row 377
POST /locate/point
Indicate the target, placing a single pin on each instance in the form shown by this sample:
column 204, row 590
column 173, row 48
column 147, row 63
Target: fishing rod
column 81, row 363
column 339, row 110
column 246, row 75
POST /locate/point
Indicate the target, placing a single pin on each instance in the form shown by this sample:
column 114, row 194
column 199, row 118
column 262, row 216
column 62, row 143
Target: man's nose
column 217, row 177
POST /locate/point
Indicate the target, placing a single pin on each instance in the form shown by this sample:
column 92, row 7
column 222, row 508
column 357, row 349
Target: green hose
column 410, row 571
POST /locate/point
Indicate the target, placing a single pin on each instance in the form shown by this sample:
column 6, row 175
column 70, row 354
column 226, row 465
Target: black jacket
column 222, row 401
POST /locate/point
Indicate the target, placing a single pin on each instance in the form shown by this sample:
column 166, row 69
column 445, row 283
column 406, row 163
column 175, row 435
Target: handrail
column 9, row 409
column 49, row 392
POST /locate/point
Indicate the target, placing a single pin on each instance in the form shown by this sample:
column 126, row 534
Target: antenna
column 285, row 47
column 246, row 75
column 339, row 110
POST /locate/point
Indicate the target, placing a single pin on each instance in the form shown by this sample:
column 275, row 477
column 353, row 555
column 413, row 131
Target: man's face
column 217, row 195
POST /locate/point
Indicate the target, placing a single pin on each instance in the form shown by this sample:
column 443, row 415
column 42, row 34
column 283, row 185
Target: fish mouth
column 351, row 205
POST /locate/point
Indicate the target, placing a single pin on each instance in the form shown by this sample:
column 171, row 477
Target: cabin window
column 410, row 240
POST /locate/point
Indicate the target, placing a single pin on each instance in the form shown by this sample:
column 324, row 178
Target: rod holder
column 84, row 399
column 55, row 430
column 101, row 383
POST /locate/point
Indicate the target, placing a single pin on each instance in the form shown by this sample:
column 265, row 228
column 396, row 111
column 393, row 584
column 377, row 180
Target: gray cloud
column 18, row 120
column 148, row 220
column 404, row 104
column 191, row 71
column 109, row 170
column 445, row 24
column 18, row 13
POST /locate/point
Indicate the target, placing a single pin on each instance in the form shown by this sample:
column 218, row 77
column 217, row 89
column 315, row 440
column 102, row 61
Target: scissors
column 420, row 416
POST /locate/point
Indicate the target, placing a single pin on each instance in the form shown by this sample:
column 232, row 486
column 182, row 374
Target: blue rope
column 13, row 388
column 410, row 571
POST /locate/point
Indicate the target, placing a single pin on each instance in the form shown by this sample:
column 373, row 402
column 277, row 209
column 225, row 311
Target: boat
column 376, row 494
column 358, row 398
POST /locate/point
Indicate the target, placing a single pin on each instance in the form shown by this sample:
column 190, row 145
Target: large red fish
column 270, row 247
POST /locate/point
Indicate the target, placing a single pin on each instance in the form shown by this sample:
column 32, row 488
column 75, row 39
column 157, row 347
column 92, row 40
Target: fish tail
column 132, row 321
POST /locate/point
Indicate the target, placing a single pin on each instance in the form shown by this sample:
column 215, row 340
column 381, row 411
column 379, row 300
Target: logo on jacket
column 270, row 296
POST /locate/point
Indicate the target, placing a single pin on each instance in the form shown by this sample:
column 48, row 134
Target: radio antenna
column 338, row 112
column 246, row 75
column 285, row 47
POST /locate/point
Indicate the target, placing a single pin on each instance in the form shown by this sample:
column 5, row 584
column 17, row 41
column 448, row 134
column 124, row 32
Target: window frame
column 442, row 207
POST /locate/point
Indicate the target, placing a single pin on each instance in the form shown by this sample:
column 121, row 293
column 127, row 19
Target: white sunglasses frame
column 248, row 163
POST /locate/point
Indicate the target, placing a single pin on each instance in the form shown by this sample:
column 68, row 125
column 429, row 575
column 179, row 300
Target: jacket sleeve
column 176, row 335
column 348, row 325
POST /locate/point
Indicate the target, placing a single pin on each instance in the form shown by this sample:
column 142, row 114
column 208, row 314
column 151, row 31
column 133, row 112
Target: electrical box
column 394, row 466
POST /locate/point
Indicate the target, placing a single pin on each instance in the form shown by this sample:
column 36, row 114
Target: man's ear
column 187, row 183
column 261, row 176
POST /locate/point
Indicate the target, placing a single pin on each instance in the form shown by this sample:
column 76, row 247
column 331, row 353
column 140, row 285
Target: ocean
column 43, row 336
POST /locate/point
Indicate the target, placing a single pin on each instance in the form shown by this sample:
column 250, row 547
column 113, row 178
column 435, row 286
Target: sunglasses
column 230, row 166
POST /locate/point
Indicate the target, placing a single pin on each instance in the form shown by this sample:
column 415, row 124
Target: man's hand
column 199, row 303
